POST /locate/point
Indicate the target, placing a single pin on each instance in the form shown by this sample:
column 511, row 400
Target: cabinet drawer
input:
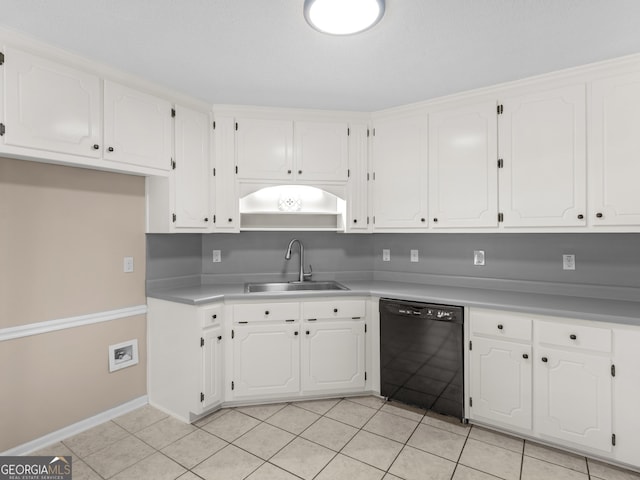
column 210, row 316
column 333, row 309
column 497, row 323
column 266, row 312
column 578, row 336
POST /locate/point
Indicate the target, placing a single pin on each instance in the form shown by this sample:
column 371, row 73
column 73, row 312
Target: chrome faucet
column 302, row 276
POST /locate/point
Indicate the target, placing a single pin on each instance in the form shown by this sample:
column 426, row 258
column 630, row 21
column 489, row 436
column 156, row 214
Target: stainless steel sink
column 292, row 286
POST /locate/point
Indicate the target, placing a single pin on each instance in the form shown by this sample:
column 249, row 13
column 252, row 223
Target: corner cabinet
column 399, row 186
column 51, row 106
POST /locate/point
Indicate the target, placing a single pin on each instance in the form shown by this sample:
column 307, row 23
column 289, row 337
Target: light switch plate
column 478, row 257
column 386, row 255
column 414, row 256
column 128, row 265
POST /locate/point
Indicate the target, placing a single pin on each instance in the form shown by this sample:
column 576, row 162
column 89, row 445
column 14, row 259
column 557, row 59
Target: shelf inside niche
column 313, row 221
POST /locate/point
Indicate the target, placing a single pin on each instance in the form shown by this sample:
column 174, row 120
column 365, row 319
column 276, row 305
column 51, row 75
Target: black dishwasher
column 421, row 355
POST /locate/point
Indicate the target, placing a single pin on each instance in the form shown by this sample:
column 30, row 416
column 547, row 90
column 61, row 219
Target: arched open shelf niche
column 292, row 207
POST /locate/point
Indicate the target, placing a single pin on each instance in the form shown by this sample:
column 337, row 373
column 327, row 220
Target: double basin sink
column 292, row 286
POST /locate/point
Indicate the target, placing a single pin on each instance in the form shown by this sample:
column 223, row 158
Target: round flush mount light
column 343, row 17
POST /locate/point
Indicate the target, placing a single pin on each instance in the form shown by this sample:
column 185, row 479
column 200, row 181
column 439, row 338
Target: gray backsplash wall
column 262, row 253
column 174, row 256
column 601, row 259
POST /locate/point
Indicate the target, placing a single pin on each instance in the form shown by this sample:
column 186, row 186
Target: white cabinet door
column 358, row 185
column 572, row 397
column 500, row 382
column 211, row 367
column 333, row 356
column 191, row 173
column 321, row 151
column 49, row 106
column 137, row 127
column 542, row 142
column 266, row 360
column 614, row 150
column 399, row 186
column 463, row 168
column 264, row 149
column 226, row 208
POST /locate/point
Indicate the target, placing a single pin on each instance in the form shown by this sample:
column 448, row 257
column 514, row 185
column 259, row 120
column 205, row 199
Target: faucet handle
column 308, row 275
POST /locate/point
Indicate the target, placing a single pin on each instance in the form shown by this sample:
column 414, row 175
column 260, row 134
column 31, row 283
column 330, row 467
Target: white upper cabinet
column 614, row 151
column 226, row 210
column 321, row 151
column 51, row 106
column 191, row 172
column 137, row 127
column 399, row 164
column 291, row 151
column 264, row 149
column 542, row 143
column 358, row 185
column 463, row 168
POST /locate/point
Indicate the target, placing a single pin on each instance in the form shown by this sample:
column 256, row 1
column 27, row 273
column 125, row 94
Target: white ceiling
column 261, row 52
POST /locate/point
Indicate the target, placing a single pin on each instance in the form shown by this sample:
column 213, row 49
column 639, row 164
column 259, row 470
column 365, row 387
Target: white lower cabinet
column 501, row 382
column 569, row 382
column 211, row 394
column 500, row 368
column 573, row 397
column 292, row 349
column 333, row 356
column 265, row 359
column 185, row 349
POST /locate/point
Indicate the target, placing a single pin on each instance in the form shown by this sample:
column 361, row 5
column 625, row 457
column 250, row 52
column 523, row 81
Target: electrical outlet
column 128, row 265
column 569, row 262
column 414, row 256
column 478, row 257
column 386, row 255
column 217, row 256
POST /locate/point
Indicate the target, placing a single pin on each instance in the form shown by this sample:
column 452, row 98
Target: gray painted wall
column 601, row 259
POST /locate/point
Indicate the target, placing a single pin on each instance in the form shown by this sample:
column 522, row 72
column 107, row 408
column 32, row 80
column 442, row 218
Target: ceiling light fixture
column 343, row 17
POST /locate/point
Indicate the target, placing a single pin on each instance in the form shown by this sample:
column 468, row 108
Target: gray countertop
column 603, row 310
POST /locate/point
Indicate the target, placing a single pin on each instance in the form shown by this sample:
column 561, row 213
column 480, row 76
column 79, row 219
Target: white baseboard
column 76, row 428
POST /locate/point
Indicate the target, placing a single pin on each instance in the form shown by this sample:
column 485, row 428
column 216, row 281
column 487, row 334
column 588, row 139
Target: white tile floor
column 354, row 439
